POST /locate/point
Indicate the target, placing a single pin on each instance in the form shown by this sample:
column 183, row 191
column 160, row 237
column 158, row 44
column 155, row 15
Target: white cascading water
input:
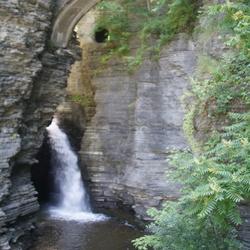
column 72, row 201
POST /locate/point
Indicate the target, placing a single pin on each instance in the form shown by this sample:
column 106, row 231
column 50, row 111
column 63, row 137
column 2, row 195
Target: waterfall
column 72, row 202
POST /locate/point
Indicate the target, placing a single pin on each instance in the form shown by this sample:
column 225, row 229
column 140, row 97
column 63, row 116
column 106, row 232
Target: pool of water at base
column 108, row 234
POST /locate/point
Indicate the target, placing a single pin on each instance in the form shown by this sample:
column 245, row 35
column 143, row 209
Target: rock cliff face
column 137, row 116
column 131, row 118
column 22, row 40
column 32, row 82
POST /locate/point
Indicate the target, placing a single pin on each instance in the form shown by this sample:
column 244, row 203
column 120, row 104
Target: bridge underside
column 67, row 20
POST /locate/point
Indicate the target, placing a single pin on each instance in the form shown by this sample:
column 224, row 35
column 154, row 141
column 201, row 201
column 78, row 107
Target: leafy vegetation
column 225, row 88
column 172, row 229
column 221, row 84
column 219, row 178
column 82, row 99
column 215, row 172
column 154, row 27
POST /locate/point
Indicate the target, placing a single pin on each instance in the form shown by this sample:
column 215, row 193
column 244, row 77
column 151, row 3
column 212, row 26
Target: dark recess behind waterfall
column 42, row 172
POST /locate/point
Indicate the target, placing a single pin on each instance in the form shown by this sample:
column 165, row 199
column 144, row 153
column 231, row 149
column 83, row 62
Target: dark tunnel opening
column 41, row 175
column 101, row 36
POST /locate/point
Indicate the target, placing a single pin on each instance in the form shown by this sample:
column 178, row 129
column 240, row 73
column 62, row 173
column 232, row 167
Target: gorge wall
column 127, row 119
column 130, row 120
column 137, row 116
column 32, row 82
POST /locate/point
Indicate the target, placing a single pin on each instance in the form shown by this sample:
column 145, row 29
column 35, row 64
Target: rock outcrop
column 22, row 38
column 137, row 116
column 130, row 122
column 32, row 82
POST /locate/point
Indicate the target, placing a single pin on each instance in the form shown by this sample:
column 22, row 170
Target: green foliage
column 113, row 13
column 179, row 17
column 225, row 82
column 218, row 179
column 230, row 21
column 214, row 182
column 50, row 45
column 115, row 16
column 80, row 99
column 236, row 21
column 216, row 173
column 189, row 127
column 173, row 229
column 154, row 27
column 217, row 89
column 118, row 165
column 14, row 135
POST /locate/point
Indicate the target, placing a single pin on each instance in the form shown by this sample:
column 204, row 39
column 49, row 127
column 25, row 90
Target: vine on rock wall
column 215, row 172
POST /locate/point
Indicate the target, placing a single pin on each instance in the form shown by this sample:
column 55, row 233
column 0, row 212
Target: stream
column 107, row 234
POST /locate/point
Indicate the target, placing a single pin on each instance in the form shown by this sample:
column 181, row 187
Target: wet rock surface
column 137, row 116
column 22, row 39
column 32, row 82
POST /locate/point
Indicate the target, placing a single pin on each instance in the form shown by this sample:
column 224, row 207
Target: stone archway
column 67, row 19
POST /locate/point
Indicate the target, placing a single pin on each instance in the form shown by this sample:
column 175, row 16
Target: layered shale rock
column 22, row 39
column 137, row 116
column 32, row 82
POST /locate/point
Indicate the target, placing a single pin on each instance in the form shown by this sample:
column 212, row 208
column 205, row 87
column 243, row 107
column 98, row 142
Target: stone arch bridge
column 70, row 12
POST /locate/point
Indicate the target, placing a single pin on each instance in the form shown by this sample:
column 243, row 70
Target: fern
column 175, row 230
column 220, row 178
